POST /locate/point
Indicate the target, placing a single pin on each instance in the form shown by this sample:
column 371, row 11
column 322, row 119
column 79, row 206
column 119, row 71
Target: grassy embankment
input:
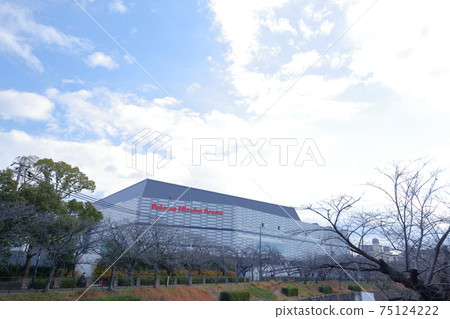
column 258, row 291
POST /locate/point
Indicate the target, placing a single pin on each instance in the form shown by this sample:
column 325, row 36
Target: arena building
column 222, row 219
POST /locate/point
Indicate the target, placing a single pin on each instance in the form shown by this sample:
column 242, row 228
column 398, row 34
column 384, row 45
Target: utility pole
column 19, row 169
column 24, row 164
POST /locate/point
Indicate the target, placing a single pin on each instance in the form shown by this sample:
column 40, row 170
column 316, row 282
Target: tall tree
column 46, row 185
column 65, row 179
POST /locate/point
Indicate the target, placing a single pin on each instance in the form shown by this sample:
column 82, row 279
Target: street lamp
column 260, row 246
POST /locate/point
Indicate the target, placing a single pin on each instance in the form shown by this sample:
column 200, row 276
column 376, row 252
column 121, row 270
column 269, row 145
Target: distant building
column 382, row 252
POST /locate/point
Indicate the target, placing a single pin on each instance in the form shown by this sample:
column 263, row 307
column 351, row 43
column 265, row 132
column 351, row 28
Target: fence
column 11, row 284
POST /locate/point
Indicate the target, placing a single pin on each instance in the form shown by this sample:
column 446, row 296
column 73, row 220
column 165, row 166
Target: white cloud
column 300, row 62
column 193, row 87
column 117, row 6
column 72, row 81
column 24, row 105
column 316, row 15
column 108, row 114
column 101, row 59
column 326, row 27
column 305, row 29
column 240, row 22
column 20, row 35
column 308, row 32
column 280, row 25
column 313, row 97
column 406, row 54
column 129, row 59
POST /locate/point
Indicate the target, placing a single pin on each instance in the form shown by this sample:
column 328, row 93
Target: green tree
column 65, row 179
column 8, row 187
column 14, row 215
column 46, row 185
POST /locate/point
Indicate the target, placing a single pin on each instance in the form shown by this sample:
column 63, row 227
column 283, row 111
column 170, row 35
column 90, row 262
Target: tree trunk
column 50, row 277
column 30, row 255
column 74, row 263
column 156, row 281
column 189, row 279
column 426, row 292
column 111, row 279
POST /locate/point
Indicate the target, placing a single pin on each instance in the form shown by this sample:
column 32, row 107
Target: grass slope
column 258, row 291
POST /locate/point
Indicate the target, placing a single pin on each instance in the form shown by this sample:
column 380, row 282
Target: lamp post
column 36, row 267
column 260, row 246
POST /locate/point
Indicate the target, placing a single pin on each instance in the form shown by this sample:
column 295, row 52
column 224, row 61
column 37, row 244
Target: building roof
column 149, row 188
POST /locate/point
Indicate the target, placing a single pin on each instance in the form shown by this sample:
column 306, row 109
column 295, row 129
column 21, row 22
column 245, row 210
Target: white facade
column 221, row 219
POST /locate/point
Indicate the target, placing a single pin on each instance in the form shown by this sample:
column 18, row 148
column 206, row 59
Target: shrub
column 261, row 292
column 68, row 283
column 289, row 291
column 182, row 280
column 325, row 289
column 230, row 273
column 354, row 288
column 207, row 272
column 115, row 298
column 126, row 281
column 163, row 280
column 147, row 281
column 210, row 279
column 234, row 295
column 222, row 279
column 39, row 283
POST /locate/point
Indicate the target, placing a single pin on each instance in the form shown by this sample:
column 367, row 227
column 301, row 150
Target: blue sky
column 365, row 80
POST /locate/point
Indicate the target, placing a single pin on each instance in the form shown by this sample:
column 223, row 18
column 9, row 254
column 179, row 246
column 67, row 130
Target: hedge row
column 115, row 298
column 354, row 288
column 289, row 291
column 325, row 289
column 39, row 283
column 234, row 295
column 181, row 280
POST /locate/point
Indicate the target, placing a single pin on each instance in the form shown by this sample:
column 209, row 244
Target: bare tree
column 62, row 238
column 113, row 241
column 159, row 248
column 243, row 260
column 221, row 259
column 414, row 222
column 195, row 252
column 273, row 259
